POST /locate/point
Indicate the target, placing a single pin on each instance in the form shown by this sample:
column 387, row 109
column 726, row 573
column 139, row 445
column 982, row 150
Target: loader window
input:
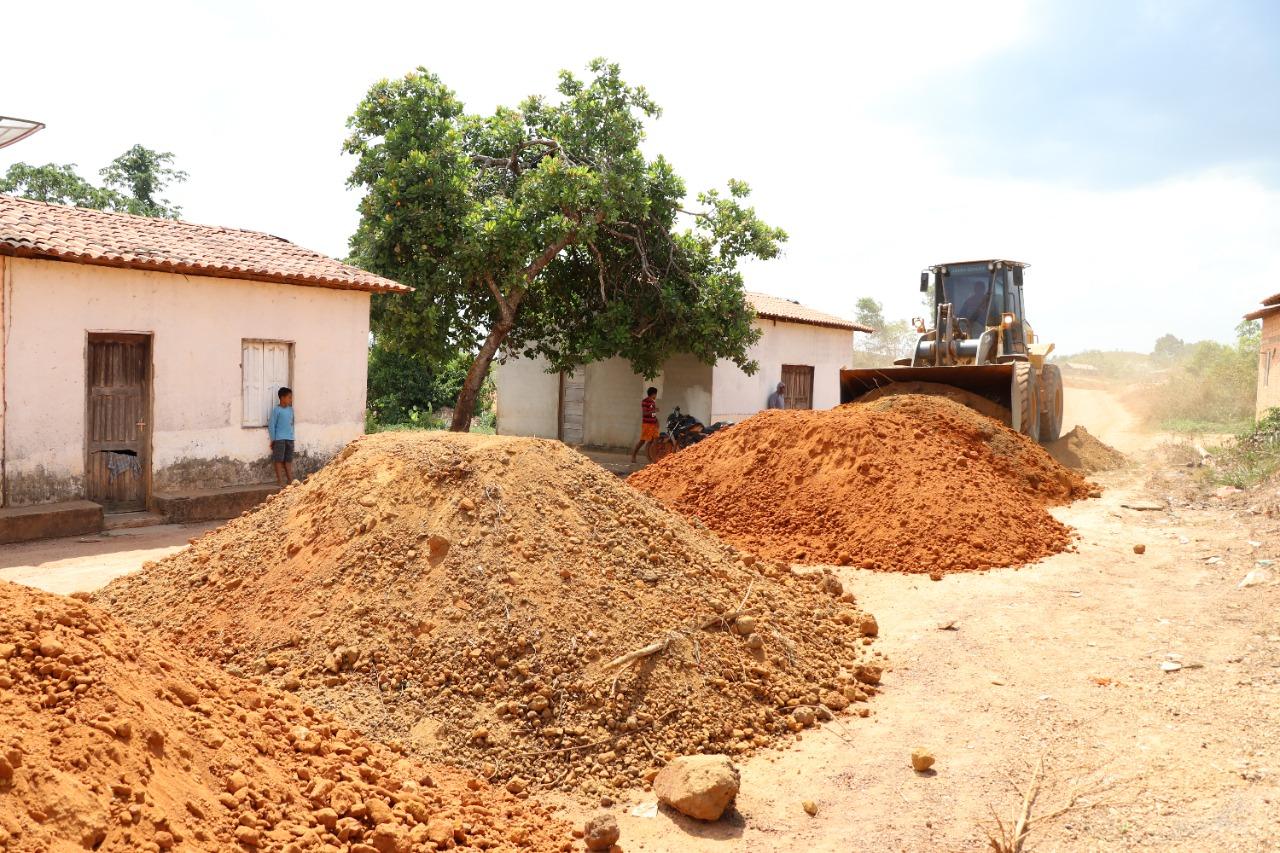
column 968, row 288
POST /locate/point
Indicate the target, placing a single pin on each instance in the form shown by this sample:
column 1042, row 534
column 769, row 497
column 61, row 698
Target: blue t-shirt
column 280, row 427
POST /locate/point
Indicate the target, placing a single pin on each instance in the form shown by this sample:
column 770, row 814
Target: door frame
column 804, row 369
column 148, row 398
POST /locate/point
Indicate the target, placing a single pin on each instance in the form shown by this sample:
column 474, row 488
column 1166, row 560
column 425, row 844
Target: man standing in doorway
column 648, row 421
column 778, row 400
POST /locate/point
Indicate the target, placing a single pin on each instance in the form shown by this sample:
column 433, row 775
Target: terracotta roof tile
column 776, row 308
column 34, row 229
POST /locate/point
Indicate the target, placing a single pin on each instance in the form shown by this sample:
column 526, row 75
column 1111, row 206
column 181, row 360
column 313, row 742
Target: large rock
column 701, row 786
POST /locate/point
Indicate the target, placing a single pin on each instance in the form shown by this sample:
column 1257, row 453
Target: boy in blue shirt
column 280, row 431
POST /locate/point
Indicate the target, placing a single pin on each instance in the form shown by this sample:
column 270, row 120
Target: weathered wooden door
column 799, row 381
column 573, row 404
column 118, row 422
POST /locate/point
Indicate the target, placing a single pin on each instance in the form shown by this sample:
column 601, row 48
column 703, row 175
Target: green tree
column 1168, row 349
column 134, row 181
column 545, row 230
column 869, row 312
column 1249, row 336
column 139, row 176
column 892, row 339
column 57, row 185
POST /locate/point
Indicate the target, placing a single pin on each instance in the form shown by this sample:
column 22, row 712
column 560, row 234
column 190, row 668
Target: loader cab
column 984, row 296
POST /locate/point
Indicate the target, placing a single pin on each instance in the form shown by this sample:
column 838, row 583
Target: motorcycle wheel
column 660, row 447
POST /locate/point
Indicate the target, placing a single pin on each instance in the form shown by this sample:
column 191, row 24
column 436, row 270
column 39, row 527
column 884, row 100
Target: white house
column 599, row 405
column 140, row 358
column 1268, row 354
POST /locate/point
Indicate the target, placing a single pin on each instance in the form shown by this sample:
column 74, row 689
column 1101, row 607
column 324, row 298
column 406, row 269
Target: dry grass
column 1012, row 836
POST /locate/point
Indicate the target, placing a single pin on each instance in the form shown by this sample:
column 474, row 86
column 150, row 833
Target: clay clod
column 601, row 832
column 700, row 786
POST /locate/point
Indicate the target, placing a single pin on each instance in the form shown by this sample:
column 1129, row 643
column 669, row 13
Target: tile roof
column 777, row 308
column 35, row 229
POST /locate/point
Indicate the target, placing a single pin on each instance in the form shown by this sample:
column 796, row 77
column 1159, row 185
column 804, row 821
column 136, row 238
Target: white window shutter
column 275, row 371
column 251, row 366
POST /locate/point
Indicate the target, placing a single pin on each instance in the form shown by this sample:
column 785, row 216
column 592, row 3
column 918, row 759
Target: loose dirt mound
column 907, row 483
column 466, row 595
column 107, row 744
column 1080, row 451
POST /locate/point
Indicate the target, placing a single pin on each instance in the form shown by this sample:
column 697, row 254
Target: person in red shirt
column 648, row 421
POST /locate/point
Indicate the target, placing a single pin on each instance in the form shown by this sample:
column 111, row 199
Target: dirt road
column 86, row 563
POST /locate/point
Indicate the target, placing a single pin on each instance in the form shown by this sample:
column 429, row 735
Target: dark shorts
column 282, row 450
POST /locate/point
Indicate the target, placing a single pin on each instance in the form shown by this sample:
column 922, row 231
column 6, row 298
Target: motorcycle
column 682, row 431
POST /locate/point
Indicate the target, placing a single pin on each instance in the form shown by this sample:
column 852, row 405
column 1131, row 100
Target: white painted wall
column 737, row 396
column 528, row 401
column 197, row 323
column 526, row 398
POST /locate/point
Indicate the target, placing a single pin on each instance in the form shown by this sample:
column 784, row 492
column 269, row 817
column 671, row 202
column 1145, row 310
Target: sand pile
column 465, row 595
column 1081, row 451
column 906, row 483
column 108, row 744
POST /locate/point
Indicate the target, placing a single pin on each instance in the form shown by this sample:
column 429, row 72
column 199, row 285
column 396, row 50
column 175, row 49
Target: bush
column 1252, row 457
column 408, row 391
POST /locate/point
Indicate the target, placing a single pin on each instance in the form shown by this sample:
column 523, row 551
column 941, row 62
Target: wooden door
column 118, row 421
column 799, row 381
column 573, row 402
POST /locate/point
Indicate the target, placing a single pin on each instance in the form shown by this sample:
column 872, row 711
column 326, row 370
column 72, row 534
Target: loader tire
column 1025, row 400
column 1050, row 403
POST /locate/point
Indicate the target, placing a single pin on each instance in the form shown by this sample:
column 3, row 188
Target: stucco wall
column 1269, row 383
column 197, row 324
column 737, row 396
column 526, row 398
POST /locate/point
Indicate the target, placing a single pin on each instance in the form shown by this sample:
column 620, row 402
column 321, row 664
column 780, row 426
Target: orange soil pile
column 475, row 598
column 108, row 744
column 906, row 483
column 1080, row 451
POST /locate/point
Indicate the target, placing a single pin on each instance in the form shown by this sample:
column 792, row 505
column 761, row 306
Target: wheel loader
column 981, row 351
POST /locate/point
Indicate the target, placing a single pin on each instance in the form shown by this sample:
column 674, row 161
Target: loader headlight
column 1007, row 319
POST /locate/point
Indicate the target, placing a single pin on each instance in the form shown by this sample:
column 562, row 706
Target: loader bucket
column 993, row 382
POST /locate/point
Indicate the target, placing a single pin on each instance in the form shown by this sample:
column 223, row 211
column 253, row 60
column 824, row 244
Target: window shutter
column 275, row 372
column 251, row 367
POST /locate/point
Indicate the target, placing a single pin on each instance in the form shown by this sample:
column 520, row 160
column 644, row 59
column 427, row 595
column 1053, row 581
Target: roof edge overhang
column 1265, row 311
column 833, row 324
column 204, row 272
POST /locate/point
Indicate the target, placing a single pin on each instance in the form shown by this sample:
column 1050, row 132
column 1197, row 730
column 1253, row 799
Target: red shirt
column 648, row 411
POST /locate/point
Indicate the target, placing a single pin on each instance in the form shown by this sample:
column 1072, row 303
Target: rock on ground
column 700, row 786
column 601, row 832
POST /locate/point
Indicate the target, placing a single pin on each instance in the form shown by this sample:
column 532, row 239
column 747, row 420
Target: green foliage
column 57, row 185
column 139, row 175
column 1168, row 350
column 545, row 230
column 405, row 387
column 133, row 182
column 1252, row 457
column 869, row 312
column 893, row 339
column 1211, row 387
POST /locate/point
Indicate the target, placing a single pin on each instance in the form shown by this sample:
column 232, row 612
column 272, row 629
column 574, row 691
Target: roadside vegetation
column 1252, row 457
column 1187, row 387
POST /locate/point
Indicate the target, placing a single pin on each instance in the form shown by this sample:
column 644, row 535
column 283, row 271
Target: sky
column 1126, row 149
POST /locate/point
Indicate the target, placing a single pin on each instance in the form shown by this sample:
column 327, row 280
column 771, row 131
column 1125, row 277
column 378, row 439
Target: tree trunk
column 466, row 405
